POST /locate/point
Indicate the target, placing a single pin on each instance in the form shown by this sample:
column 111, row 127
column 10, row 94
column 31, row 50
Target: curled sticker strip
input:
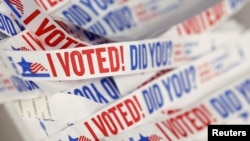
column 42, row 26
column 107, row 24
column 8, row 25
column 11, row 27
column 98, row 61
column 118, row 22
column 140, row 105
column 135, row 80
column 216, row 108
column 186, row 50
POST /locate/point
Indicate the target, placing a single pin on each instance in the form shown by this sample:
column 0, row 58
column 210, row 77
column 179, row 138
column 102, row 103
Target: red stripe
column 151, row 138
column 43, row 69
column 38, row 68
column 24, row 49
column 82, row 138
column 28, row 41
column 18, row 4
column 35, row 67
column 35, row 70
column 33, row 64
column 154, row 138
column 31, row 17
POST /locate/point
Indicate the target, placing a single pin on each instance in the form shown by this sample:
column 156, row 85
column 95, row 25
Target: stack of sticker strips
column 123, row 70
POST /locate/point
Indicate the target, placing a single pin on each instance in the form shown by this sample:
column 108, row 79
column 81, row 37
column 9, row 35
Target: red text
column 115, row 119
column 186, row 123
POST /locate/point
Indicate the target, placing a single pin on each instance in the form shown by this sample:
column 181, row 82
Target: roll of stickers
column 217, row 108
column 225, row 8
column 191, row 47
column 119, row 21
column 137, row 108
column 186, row 50
column 116, row 65
column 21, row 87
column 11, row 27
column 65, row 66
column 133, row 81
column 48, row 31
column 104, row 60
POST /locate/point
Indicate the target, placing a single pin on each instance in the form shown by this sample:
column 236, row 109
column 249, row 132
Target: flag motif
column 82, row 138
column 24, row 49
column 154, row 138
column 30, row 69
column 35, row 67
column 20, row 49
column 18, row 4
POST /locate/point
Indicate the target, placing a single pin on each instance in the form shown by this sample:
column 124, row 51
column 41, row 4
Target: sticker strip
column 143, row 103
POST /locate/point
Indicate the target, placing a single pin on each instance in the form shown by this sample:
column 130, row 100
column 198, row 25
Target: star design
column 142, row 138
column 72, row 139
column 25, row 65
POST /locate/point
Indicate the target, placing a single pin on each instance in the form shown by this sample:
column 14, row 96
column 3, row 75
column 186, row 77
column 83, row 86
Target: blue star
column 142, row 138
column 25, row 65
column 71, row 139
